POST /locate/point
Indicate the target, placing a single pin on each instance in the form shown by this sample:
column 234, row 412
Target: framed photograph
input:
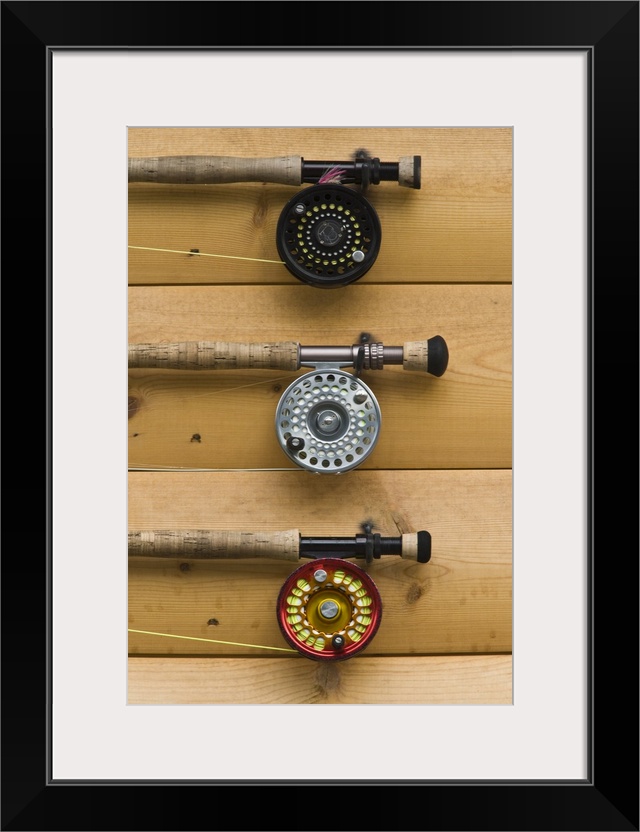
column 91, row 743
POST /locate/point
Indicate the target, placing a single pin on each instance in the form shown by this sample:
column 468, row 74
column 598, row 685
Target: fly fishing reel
column 328, row 235
column 328, row 421
column 329, row 610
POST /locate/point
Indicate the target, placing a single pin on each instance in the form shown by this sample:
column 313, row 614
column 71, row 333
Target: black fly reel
column 328, row 235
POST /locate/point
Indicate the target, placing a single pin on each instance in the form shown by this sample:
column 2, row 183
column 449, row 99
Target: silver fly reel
column 328, row 421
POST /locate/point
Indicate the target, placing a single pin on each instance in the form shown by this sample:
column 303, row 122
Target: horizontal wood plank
column 459, row 602
column 460, row 420
column 433, row 680
column 456, row 228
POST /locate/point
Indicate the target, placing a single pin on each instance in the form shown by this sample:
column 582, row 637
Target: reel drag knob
column 329, row 609
column 328, row 421
column 328, row 235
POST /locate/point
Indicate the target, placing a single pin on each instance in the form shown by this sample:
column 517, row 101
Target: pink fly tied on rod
column 334, row 174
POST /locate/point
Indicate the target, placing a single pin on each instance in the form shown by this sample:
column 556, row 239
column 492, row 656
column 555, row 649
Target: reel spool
column 329, row 609
column 328, row 235
column 328, row 421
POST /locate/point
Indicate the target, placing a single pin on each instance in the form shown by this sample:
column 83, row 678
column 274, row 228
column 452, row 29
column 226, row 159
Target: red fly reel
column 329, row 609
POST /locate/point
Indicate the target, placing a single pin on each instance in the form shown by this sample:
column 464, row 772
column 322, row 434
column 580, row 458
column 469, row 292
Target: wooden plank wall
column 202, row 446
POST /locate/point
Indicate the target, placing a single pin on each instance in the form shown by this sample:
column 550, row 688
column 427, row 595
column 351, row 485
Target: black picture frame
column 608, row 798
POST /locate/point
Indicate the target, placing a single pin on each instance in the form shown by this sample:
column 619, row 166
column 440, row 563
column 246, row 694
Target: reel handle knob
column 206, row 544
column 214, row 355
column 417, row 546
column 431, row 356
column 215, row 170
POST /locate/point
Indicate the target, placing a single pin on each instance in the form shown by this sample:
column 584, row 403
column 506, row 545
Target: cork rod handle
column 206, row 544
column 215, row 355
column 215, row 170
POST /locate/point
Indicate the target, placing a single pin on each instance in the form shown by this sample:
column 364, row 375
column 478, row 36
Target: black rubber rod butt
column 438, row 353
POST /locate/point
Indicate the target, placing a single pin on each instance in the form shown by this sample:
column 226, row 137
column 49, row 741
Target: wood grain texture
column 457, row 228
column 203, row 453
column 431, row 680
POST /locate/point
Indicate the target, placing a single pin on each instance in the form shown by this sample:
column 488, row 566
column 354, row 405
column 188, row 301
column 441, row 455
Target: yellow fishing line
column 215, row 641
column 263, row 382
column 203, row 254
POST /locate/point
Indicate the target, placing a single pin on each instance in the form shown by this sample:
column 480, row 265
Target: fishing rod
column 290, row 545
column 327, row 609
column 327, row 420
column 362, row 170
column 328, row 234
